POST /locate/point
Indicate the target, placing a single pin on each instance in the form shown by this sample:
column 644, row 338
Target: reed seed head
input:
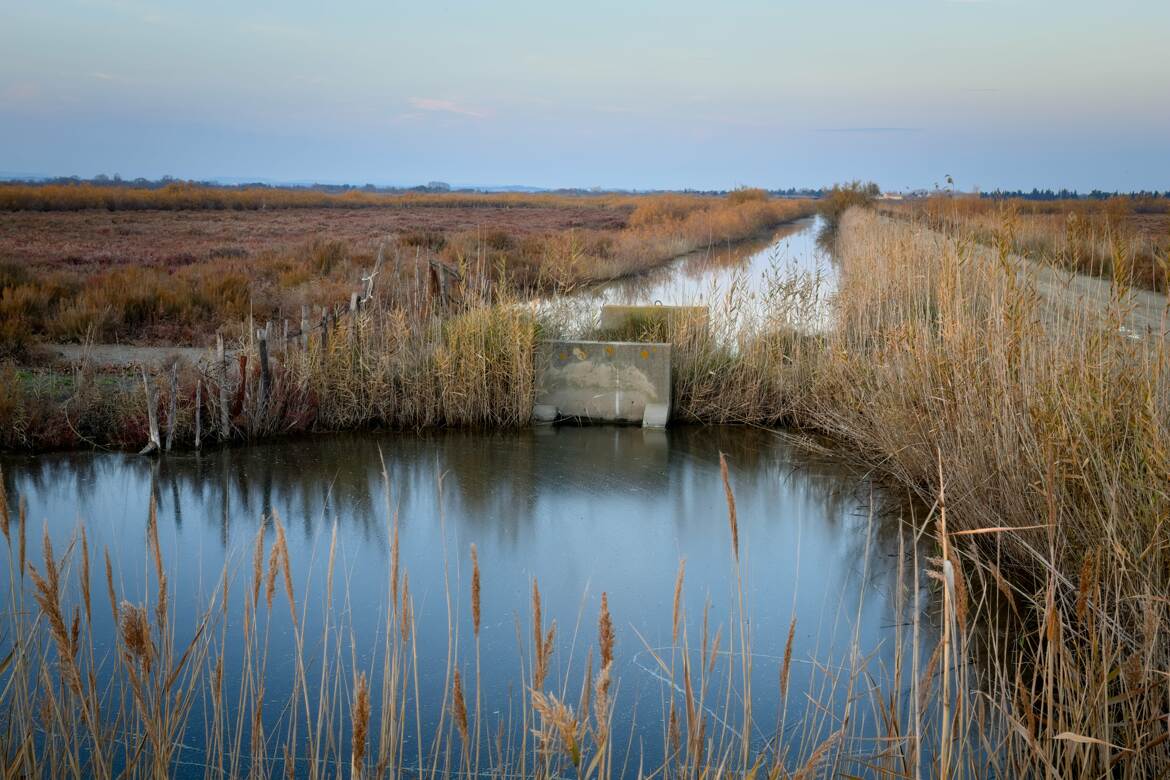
column 135, row 630
column 459, row 708
column 605, row 638
column 360, row 717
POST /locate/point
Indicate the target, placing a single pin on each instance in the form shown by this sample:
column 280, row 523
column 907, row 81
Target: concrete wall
column 614, row 316
column 603, row 381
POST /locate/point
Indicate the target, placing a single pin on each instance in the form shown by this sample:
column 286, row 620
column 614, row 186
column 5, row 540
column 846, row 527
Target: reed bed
column 1043, row 412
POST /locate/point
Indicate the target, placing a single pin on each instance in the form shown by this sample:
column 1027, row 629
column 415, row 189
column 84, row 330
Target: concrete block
column 656, row 416
column 544, row 413
column 604, row 381
column 615, row 317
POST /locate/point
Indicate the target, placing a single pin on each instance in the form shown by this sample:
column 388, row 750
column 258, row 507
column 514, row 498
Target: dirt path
column 1145, row 313
column 122, row 356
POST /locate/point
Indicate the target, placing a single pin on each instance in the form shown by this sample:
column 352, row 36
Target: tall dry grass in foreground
column 1043, row 410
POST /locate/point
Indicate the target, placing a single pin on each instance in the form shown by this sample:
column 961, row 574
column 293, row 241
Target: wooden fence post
column 265, row 375
column 353, row 318
column 225, row 417
column 173, row 407
column 324, row 332
column 198, row 412
column 151, row 415
column 305, row 326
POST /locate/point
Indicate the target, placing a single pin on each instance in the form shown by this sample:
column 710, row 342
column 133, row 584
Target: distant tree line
column 434, row 187
column 1038, row 194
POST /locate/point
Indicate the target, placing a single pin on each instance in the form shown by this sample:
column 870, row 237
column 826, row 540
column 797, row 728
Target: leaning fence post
column 173, row 408
column 305, row 326
column 151, row 415
column 225, row 418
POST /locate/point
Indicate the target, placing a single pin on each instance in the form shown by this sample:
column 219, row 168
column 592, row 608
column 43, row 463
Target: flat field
column 95, row 240
column 175, row 266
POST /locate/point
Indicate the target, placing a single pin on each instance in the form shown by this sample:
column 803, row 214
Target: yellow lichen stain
column 645, row 355
column 564, row 356
column 609, row 350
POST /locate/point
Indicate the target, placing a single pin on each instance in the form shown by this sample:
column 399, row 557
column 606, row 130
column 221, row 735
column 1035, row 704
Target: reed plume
column 360, row 719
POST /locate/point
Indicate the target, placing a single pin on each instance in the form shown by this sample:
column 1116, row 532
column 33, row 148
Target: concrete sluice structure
column 603, row 381
column 612, row 381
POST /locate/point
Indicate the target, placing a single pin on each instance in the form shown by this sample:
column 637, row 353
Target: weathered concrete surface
column 614, row 316
column 603, row 381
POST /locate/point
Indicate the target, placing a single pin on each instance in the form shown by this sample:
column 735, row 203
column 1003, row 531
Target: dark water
column 580, row 510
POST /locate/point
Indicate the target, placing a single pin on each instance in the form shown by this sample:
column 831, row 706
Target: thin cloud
column 440, row 106
column 26, row 90
column 869, row 129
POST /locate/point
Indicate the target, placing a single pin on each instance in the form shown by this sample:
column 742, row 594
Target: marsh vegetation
column 1031, row 424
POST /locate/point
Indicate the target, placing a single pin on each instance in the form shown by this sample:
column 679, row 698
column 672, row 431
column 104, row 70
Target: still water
column 787, row 275
column 579, row 510
column 747, row 268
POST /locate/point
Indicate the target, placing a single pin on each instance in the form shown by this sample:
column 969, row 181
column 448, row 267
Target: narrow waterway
column 578, row 510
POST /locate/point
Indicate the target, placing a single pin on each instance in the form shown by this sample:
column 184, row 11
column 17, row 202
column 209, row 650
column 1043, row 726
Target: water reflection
column 581, row 509
column 749, row 268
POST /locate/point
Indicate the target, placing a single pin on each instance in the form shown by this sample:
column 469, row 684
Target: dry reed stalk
column 405, row 616
column 21, row 526
column 4, row 510
column 678, row 586
column 732, row 518
column 257, row 566
column 360, row 720
column 475, row 595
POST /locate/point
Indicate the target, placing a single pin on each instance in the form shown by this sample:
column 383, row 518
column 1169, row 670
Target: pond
column 580, row 511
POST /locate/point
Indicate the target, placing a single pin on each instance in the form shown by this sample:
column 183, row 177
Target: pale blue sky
column 998, row 93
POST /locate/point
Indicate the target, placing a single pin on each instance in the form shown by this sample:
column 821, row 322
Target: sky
column 613, row 93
